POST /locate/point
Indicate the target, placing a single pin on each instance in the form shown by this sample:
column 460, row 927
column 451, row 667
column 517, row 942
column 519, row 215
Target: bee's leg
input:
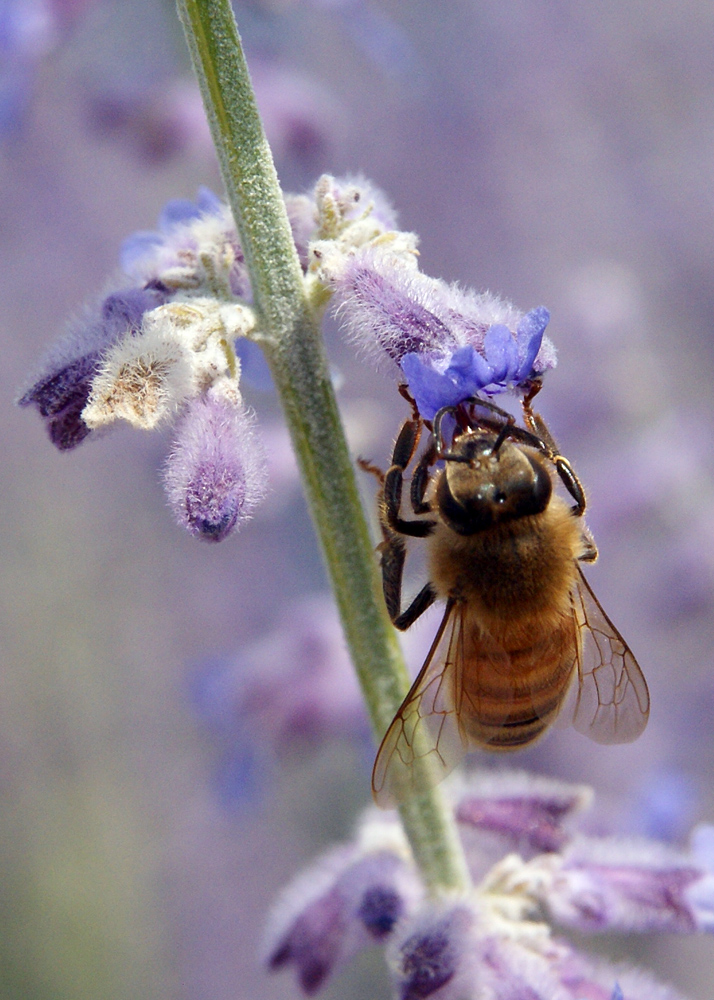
column 572, row 484
column 538, row 426
column 420, row 481
column 488, row 405
column 393, row 552
column 373, row 470
column 423, row 600
column 405, row 394
column 535, row 423
column 589, row 552
column 406, row 445
column 394, row 527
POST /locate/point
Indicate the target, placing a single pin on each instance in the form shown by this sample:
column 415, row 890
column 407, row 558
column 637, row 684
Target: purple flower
column 215, row 474
column 531, row 812
column 638, row 885
column 61, row 390
column 354, row 208
column 196, row 249
column 428, row 958
column 294, row 683
column 449, row 344
column 353, row 897
column 507, row 361
column 492, row 943
column 460, row 951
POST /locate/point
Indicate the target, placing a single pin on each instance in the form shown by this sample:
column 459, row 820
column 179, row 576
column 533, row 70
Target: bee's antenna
column 503, row 434
column 438, row 436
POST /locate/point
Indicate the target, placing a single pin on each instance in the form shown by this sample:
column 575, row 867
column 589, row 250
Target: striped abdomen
column 506, row 698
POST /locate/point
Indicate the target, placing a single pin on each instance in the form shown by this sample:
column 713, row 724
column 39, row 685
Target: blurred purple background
column 560, row 154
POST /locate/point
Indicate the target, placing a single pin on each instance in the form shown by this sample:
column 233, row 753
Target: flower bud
column 215, row 474
column 351, row 898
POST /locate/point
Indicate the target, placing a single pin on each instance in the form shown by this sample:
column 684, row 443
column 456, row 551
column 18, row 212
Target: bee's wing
column 423, row 742
column 612, row 702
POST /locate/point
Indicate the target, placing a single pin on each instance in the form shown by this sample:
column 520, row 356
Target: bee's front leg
column 391, row 500
column 538, row 426
column 394, row 527
column 393, row 554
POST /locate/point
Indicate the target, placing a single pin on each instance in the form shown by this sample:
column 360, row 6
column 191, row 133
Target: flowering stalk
column 289, row 334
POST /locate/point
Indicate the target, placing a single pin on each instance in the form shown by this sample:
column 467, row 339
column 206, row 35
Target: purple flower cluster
column 161, row 349
column 494, row 942
column 449, row 344
column 165, row 347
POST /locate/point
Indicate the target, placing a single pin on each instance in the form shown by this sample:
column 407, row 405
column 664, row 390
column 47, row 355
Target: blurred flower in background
column 494, row 941
column 292, row 689
column 557, row 155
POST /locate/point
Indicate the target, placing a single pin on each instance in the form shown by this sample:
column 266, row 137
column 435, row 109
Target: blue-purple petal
column 529, row 334
column 124, row 310
column 431, row 389
column 208, row 202
column 501, row 353
column 466, row 374
column 176, row 211
column 179, row 210
column 468, row 367
column 136, row 246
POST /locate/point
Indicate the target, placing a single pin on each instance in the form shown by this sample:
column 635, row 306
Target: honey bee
column 521, row 627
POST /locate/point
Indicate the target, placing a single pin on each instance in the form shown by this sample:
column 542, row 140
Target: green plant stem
column 291, row 339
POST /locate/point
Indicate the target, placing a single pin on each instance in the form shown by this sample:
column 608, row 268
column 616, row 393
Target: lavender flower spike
column 450, row 344
column 493, row 943
column 195, row 249
column 612, row 883
column 215, row 474
column 463, row 950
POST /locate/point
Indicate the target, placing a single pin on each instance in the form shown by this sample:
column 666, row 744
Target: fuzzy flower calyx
column 62, row 388
column 215, row 474
column 181, row 349
column 449, row 344
column 495, row 942
column 351, row 898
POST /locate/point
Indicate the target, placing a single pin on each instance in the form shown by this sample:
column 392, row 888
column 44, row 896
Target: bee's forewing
column 611, row 703
column 423, row 743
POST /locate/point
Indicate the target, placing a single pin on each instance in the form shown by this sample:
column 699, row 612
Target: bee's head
column 487, row 480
